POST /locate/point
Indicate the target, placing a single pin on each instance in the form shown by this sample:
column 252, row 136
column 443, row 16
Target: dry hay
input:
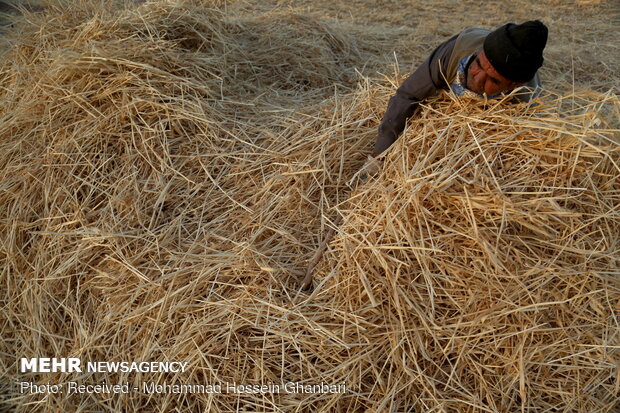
column 483, row 263
column 161, row 195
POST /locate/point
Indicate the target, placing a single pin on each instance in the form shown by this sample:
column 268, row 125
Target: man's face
column 483, row 78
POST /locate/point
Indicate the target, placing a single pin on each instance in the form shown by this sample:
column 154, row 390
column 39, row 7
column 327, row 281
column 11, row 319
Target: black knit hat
column 515, row 50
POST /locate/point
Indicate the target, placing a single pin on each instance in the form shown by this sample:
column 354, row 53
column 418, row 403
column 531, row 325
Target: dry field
column 169, row 168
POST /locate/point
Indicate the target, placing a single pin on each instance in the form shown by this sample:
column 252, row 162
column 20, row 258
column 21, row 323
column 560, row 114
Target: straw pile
column 167, row 172
column 482, row 266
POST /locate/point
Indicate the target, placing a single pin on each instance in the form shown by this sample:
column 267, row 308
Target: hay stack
column 161, row 195
column 483, row 264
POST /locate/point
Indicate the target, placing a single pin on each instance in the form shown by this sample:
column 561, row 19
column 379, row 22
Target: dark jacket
column 437, row 72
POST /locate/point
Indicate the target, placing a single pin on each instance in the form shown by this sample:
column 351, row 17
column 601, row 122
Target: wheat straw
column 168, row 172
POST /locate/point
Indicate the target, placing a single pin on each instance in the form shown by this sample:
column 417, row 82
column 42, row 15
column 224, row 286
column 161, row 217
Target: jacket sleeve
column 423, row 83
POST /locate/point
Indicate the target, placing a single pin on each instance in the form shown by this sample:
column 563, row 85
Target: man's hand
column 371, row 167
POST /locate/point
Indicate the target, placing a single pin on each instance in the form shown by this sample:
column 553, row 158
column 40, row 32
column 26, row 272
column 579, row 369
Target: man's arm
column 423, row 83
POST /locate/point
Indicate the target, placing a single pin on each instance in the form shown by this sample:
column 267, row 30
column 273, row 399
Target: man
column 475, row 63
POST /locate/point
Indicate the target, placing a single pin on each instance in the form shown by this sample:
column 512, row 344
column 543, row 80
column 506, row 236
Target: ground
column 583, row 48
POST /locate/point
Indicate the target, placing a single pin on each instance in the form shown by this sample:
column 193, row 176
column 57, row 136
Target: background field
column 583, row 38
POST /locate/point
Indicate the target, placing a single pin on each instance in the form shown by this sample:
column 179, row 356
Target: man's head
column 511, row 55
column 483, row 78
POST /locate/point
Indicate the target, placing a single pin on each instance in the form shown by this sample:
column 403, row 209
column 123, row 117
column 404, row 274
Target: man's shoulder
column 467, row 42
column 470, row 40
column 475, row 32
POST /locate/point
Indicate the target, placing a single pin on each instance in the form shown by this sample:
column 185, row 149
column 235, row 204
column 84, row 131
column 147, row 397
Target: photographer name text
column 73, row 387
